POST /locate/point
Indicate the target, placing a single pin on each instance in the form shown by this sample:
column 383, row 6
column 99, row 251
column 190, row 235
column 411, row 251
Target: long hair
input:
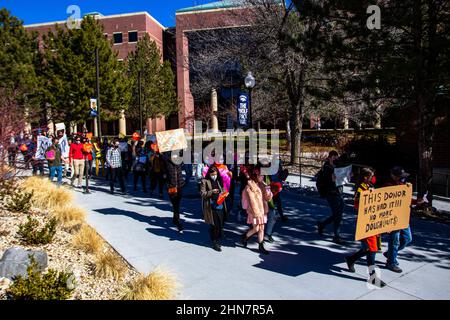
column 210, row 170
column 365, row 173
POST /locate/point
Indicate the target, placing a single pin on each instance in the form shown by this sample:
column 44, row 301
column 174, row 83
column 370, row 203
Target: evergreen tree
column 69, row 72
column 158, row 94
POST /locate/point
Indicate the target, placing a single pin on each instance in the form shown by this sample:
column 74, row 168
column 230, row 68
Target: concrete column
column 122, row 123
column 215, row 109
column 73, row 127
column 346, row 120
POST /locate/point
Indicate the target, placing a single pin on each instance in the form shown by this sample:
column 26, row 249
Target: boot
column 216, row 246
column 350, row 264
column 262, row 249
column 374, row 280
column 244, row 240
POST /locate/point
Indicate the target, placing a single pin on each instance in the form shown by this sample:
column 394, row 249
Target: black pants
column 279, row 204
column 176, row 201
column 157, row 179
column 38, row 165
column 116, row 173
column 336, row 203
column 216, row 230
column 370, row 256
column 143, row 176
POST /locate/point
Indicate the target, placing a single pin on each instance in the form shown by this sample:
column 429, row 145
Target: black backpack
column 321, row 183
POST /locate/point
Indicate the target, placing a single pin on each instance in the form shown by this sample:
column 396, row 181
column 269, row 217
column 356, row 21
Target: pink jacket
column 255, row 198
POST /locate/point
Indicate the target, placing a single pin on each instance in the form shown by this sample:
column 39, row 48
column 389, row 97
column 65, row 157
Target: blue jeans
column 270, row 222
column 336, row 203
column 58, row 171
column 398, row 240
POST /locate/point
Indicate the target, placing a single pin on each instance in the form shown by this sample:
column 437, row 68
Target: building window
column 133, row 36
column 118, row 38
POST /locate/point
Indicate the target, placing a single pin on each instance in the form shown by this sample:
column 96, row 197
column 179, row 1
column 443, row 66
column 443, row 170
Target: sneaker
column 394, row 268
column 350, row 265
column 320, row 228
column 378, row 282
column 180, row 228
column 270, row 239
column 338, row 240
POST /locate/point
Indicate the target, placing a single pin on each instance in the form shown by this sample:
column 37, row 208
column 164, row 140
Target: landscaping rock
column 15, row 262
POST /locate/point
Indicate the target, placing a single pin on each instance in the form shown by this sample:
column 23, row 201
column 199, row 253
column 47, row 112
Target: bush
column 19, row 202
column 158, row 285
column 46, row 195
column 29, row 232
column 87, row 240
column 108, row 264
column 7, row 188
column 69, row 215
column 52, row 285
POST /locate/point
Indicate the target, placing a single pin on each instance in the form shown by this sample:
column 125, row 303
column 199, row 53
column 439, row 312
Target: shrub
column 46, row 195
column 52, row 285
column 30, row 233
column 109, row 264
column 69, row 215
column 158, row 285
column 19, row 201
column 7, row 188
column 87, row 240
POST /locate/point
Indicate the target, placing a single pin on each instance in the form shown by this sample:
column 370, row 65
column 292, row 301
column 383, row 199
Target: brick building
column 124, row 30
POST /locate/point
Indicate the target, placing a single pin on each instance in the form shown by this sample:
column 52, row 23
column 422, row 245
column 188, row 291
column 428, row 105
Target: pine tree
column 158, row 94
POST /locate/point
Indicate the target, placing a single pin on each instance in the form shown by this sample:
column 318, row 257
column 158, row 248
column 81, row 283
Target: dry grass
column 109, row 264
column 87, row 240
column 46, row 195
column 158, row 285
column 69, row 215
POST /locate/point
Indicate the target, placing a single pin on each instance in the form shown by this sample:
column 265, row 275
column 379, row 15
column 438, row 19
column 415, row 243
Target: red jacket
column 76, row 152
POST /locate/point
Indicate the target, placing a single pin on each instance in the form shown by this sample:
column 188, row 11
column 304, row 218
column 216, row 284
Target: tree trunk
column 288, row 135
column 296, row 133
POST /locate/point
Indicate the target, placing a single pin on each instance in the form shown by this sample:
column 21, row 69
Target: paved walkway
column 301, row 264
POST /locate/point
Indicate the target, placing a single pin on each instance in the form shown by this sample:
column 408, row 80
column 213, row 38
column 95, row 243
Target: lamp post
column 250, row 84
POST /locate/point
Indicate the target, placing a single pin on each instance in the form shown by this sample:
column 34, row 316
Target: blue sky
column 37, row 11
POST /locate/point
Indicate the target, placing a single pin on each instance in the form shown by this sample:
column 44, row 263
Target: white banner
column 42, row 144
column 64, row 146
column 343, row 175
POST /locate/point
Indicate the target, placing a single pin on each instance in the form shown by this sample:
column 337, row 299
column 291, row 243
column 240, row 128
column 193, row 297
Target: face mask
column 78, row 142
column 214, row 178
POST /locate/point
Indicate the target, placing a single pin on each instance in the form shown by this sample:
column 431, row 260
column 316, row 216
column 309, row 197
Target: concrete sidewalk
column 301, row 264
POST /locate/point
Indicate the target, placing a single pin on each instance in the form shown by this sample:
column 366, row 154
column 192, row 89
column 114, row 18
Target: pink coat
column 254, row 201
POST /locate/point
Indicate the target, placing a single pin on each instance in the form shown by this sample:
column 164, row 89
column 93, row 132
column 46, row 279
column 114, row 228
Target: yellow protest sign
column 383, row 210
column 171, row 140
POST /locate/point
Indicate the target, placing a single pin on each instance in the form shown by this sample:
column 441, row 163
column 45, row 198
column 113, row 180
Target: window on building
column 118, row 38
column 132, row 36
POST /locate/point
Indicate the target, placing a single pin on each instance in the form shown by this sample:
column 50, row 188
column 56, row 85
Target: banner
column 93, row 104
column 42, row 144
column 171, row 140
column 242, row 109
column 383, row 210
column 343, row 175
column 64, row 145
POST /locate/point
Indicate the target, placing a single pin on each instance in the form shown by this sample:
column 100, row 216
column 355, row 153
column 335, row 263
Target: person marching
column 157, row 171
column 371, row 245
column 140, row 163
column 76, row 160
column 175, row 183
column 114, row 162
column 214, row 205
column 55, row 160
column 98, row 157
column 398, row 239
column 254, row 200
column 327, row 188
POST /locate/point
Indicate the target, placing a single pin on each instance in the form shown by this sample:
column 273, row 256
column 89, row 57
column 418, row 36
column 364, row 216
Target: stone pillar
column 346, row 121
column 73, row 127
column 215, row 109
column 122, row 124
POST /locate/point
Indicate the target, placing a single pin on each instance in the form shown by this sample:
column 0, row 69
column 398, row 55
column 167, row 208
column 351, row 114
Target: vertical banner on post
column 93, row 104
column 383, row 210
column 242, row 110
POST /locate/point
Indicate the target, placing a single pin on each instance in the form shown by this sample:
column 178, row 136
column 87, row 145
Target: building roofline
column 99, row 18
column 213, row 6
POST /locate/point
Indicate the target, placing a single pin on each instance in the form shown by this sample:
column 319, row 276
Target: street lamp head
column 249, row 80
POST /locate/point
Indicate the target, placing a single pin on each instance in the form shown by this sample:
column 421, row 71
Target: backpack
column 50, row 155
column 321, row 183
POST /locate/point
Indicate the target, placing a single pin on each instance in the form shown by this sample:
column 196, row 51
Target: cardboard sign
column 171, row 140
column 383, row 210
column 60, row 126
